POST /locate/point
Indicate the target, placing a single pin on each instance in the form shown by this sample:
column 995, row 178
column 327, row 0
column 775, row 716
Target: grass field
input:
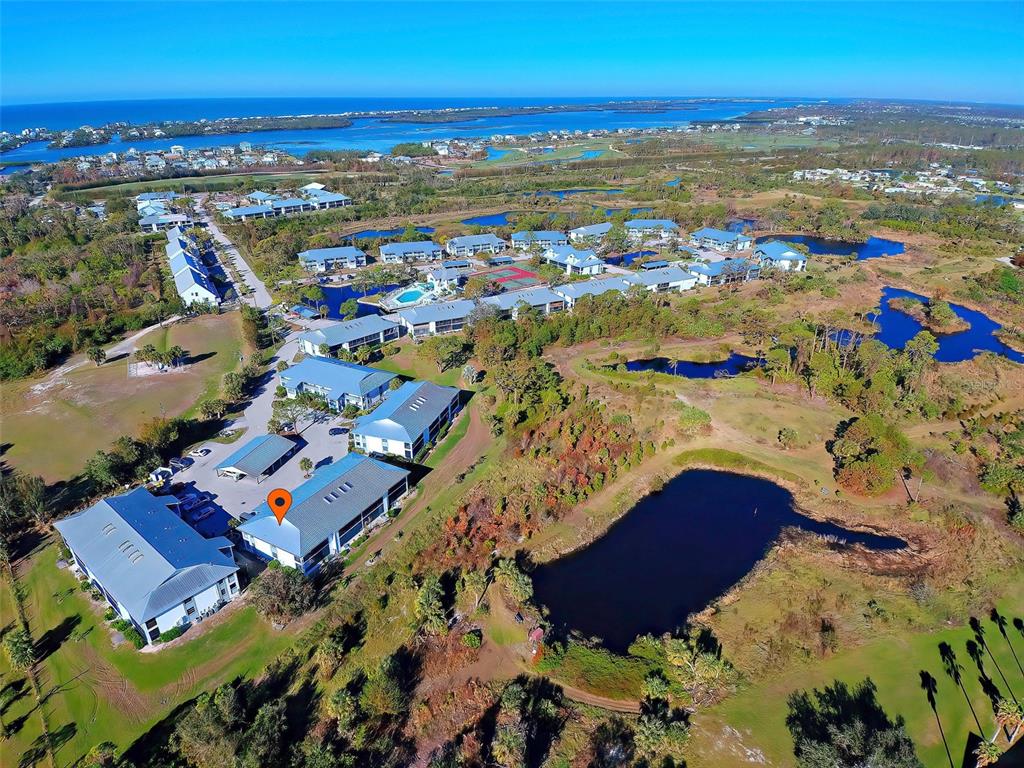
column 408, row 362
column 105, row 694
column 894, row 664
column 92, row 406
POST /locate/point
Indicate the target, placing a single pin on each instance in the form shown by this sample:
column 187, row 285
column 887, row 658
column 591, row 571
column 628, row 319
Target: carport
column 258, row 458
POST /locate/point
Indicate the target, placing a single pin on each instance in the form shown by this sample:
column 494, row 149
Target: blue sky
column 54, row 51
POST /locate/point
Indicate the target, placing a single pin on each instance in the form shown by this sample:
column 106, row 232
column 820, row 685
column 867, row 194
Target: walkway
column 260, row 296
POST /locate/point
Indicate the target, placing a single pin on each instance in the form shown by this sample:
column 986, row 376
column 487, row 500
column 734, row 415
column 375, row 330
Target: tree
column 206, row 736
column 212, row 409
column 384, row 694
column 445, row 351
column 103, row 755
column 430, row 605
column 281, row 593
column 20, row 649
column 509, row 746
column 840, row 727
column 348, row 309
column 518, row 586
column 264, row 739
column 306, row 464
column 97, row 354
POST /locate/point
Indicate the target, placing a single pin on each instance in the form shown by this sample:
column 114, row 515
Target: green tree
column 430, row 605
column 518, row 586
column 264, row 739
column 305, row 464
column 97, row 354
column 445, row 352
column 19, row 648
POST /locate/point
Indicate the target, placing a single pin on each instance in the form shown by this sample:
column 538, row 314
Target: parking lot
column 238, row 498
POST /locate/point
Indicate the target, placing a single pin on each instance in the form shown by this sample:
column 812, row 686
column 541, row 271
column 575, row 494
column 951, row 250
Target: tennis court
column 510, row 278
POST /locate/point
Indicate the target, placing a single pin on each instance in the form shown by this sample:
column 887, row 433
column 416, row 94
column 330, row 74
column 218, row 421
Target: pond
column 741, row 224
column 674, row 553
column 872, row 248
column 378, row 233
column 335, row 296
column 896, row 328
column 626, row 259
column 561, row 194
column 732, row 365
column 491, row 219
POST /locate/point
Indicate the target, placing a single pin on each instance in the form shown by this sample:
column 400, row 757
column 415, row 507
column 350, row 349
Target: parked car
column 338, row 431
column 180, row 464
column 200, row 453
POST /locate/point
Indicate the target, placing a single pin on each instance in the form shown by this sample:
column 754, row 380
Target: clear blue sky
column 54, row 51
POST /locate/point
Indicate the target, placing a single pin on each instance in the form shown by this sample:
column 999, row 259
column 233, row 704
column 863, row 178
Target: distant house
column 724, row 272
column 247, row 212
column 591, row 232
column 573, row 292
column 192, row 279
column 328, row 511
column 324, row 259
column 291, row 205
column 422, row 250
column 508, row 305
column 434, row 319
column 572, row 261
column 720, row 239
column 372, row 330
column 446, row 278
column 542, row 239
column 341, row 384
column 641, row 229
column 262, row 198
column 258, row 458
column 321, row 199
column 470, row 245
column 161, row 222
column 779, row 255
column 411, row 417
column 153, row 568
column 663, row 279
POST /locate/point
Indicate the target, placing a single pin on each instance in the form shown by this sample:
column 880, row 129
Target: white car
column 200, row 453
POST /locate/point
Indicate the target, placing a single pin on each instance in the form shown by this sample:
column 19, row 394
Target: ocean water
column 364, row 134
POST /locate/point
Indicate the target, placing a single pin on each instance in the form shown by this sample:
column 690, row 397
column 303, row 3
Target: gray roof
column 469, row 241
column 407, row 412
column 338, row 377
column 593, row 287
column 336, row 334
column 143, row 554
column 321, row 255
column 592, row 230
column 670, row 274
column 331, row 499
column 447, row 310
column 534, row 297
column 402, row 249
column 258, row 455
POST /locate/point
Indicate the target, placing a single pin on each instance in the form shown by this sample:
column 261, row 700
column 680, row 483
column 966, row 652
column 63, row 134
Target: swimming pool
column 408, row 297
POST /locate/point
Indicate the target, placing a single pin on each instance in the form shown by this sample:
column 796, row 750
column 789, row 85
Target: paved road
column 260, row 296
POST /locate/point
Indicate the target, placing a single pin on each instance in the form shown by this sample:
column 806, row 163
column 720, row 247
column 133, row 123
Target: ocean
column 364, row 134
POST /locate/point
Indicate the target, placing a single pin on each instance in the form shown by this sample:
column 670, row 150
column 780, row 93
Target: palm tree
column 176, row 355
column 97, row 354
column 988, row 753
column 953, row 668
column 1009, row 715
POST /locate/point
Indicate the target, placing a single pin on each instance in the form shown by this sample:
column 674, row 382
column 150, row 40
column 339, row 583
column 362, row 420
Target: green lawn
column 110, row 694
column 408, row 362
column 894, row 664
column 91, row 406
column 456, row 433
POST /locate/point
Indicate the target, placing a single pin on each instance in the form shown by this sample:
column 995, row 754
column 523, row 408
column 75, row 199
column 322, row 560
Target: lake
column 374, row 233
column 336, row 295
column 364, row 133
column 732, row 365
column 896, row 328
column 872, row 248
column 674, row 553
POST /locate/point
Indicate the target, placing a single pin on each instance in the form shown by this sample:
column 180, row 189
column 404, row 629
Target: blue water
column 896, row 328
column 675, row 552
column 408, row 297
column 491, row 220
column 872, row 248
column 335, row 296
column 999, row 200
column 628, row 258
column 732, row 365
column 378, row 233
column 739, row 225
column 497, row 154
column 561, row 194
column 590, row 154
column 364, row 134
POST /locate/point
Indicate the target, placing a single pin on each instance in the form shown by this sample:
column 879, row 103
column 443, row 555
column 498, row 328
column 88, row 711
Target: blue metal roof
column 448, row 310
column 468, row 241
column 337, row 376
column 401, row 249
column 592, row 230
column 336, row 334
column 651, row 224
column 716, row 268
column 331, row 499
column 143, row 554
column 248, row 210
column 541, row 234
column 407, row 412
column 321, row 255
column 258, row 455
column 718, row 235
column 779, row 251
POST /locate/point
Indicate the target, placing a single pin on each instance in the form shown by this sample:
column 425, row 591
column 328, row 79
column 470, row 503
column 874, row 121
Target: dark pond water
column 628, row 258
column 872, row 248
column 335, row 296
column 735, row 363
column 491, row 220
column 561, row 194
column 372, row 233
column 896, row 328
column 674, row 553
column 739, row 225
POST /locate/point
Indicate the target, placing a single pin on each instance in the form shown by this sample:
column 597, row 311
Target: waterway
column 872, row 248
column 674, row 553
column 364, row 133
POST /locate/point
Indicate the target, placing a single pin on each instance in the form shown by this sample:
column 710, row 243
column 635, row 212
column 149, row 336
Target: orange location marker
column 280, row 502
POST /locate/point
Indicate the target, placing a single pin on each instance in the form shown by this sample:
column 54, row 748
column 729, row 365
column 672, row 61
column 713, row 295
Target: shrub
column 85, row 585
column 122, row 625
column 472, row 639
column 171, row 634
column 109, row 615
column 132, row 636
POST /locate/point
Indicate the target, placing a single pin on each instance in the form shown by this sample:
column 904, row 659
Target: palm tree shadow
column 931, row 686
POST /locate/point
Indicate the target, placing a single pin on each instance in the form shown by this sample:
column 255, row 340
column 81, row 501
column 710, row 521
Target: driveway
column 260, row 296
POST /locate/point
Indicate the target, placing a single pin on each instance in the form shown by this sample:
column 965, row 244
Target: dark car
column 338, row 431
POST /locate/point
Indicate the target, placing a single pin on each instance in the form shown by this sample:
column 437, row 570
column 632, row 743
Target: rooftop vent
column 109, row 528
column 328, row 499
